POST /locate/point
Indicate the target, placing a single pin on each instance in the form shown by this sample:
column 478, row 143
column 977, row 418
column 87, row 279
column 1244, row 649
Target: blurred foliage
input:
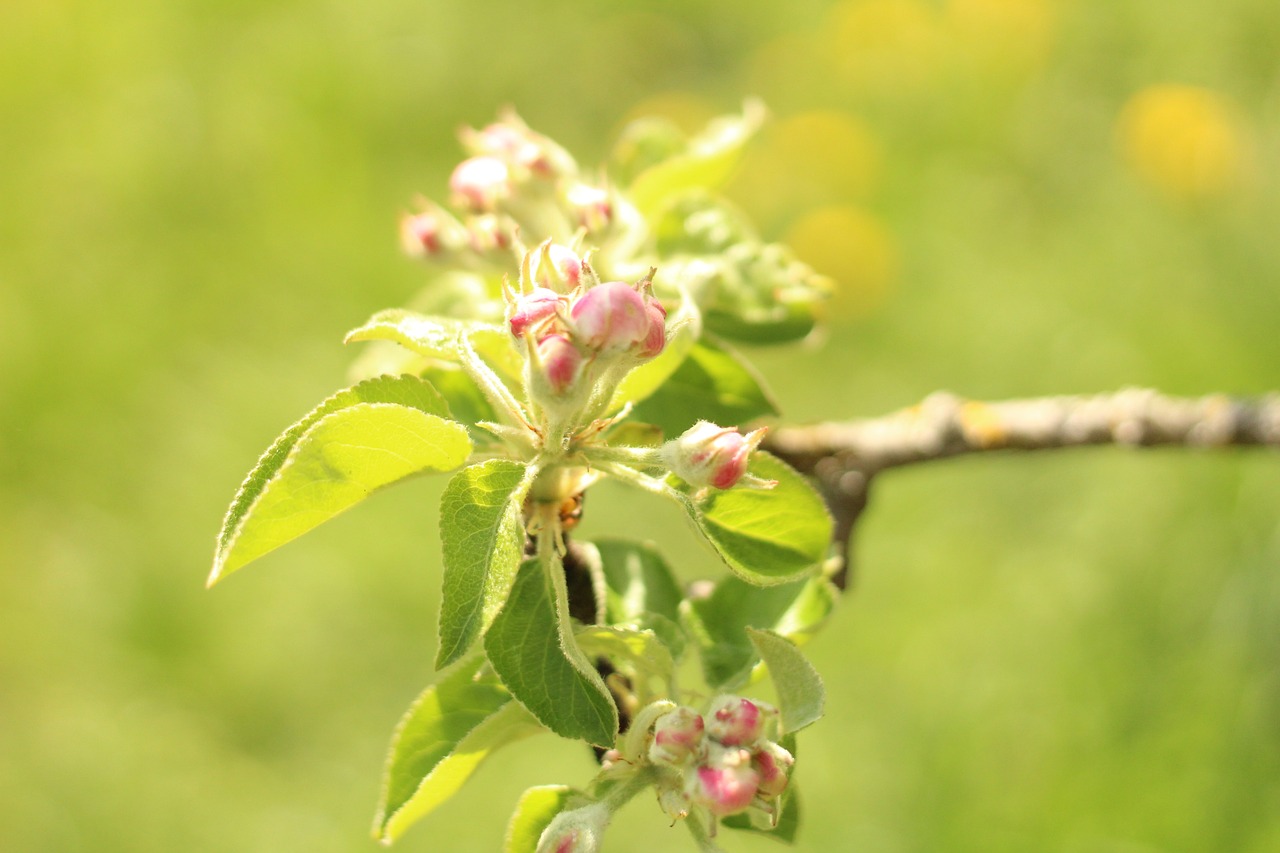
column 1074, row 653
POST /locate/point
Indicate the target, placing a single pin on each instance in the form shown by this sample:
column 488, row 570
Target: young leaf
column 360, row 439
column 435, row 337
column 543, row 667
column 446, row 734
column 766, row 536
column 482, row 531
column 800, row 693
column 466, row 401
column 639, row 653
column 538, row 806
column 718, row 623
column 637, row 581
column 712, row 383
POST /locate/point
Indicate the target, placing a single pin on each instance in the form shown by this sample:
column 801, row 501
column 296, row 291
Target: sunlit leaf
column 637, row 581
column 529, row 647
column 482, row 532
column 538, row 806
column 713, row 383
column 801, row 696
column 446, row 734
column 359, row 440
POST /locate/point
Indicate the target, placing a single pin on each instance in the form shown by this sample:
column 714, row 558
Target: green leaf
column 707, row 162
column 638, row 653
column 637, row 581
column 538, row 806
column 482, row 532
column 467, row 402
column 360, row 439
column 435, row 337
column 800, row 693
column 540, row 664
column 766, row 536
column 446, row 734
column 718, row 623
column 713, row 383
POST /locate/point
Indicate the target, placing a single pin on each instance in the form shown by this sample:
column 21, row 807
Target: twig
column 845, row 457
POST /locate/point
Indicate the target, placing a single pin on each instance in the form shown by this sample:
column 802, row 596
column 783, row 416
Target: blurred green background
column 1073, row 653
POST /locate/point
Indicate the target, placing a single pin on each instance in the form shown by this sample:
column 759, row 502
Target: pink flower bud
column 561, row 363
column 655, row 340
column 725, row 786
column 592, row 206
column 556, row 265
column 479, row 183
column 532, row 308
column 734, row 721
column 677, row 735
column 710, row 455
column 489, row 232
column 772, row 763
column 611, row 317
column 420, row 233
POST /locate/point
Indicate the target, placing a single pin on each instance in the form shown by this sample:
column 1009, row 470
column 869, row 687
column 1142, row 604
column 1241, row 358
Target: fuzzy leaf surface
column 719, row 622
column 532, row 651
column 482, row 533
column 766, row 536
column 538, row 806
column 443, row 738
column 435, row 337
column 360, row 439
column 713, row 383
column 801, row 696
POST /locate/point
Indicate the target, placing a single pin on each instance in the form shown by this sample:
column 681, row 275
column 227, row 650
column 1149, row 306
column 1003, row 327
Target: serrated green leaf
column 637, row 581
column 435, row 337
column 357, row 441
column 713, row 383
column 766, row 536
column 538, row 806
column 543, row 668
column 801, row 696
column 707, row 162
column 718, row 623
column 444, row 737
column 482, row 534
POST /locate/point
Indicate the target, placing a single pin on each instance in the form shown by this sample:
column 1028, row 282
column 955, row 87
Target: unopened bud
column 529, row 309
column 420, row 233
column 561, row 363
column 555, row 265
column 726, row 784
column 676, row 736
column 655, row 340
column 734, row 721
column 479, row 183
column 611, row 317
column 773, row 765
column 489, row 231
column 591, row 205
column 710, row 455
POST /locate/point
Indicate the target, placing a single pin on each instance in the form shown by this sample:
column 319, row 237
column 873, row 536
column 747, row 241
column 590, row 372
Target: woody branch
column 845, row 457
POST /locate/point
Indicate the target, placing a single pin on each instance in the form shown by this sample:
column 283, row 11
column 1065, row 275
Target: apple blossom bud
column 734, row 721
column 591, row 205
column 772, row 763
column 479, row 183
column 488, row 232
column 556, row 265
column 530, row 309
column 725, row 785
column 655, row 340
column 677, row 736
column 561, row 363
column 611, row 317
column 420, row 233
column 710, row 455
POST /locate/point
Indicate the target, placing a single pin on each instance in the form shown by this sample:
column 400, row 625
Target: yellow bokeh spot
column 886, row 46
column 805, row 160
column 1002, row 35
column 1184, row 140
column 854, row 249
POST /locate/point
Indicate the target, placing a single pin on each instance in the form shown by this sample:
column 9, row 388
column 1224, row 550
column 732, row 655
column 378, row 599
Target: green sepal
column 714, row 384
column 482, row 534
column 443, row 738
column 718, row 622
column 766, row 536
column 536, row 657
column 801, row 696
column 357, row 441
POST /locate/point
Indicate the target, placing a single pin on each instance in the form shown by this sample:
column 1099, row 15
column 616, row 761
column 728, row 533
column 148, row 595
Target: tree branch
column 845, row 457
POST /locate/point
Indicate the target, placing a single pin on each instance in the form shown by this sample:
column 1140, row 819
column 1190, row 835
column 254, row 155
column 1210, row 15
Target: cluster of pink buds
column 576, row 328
column 709, row 455
column 726, row 761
